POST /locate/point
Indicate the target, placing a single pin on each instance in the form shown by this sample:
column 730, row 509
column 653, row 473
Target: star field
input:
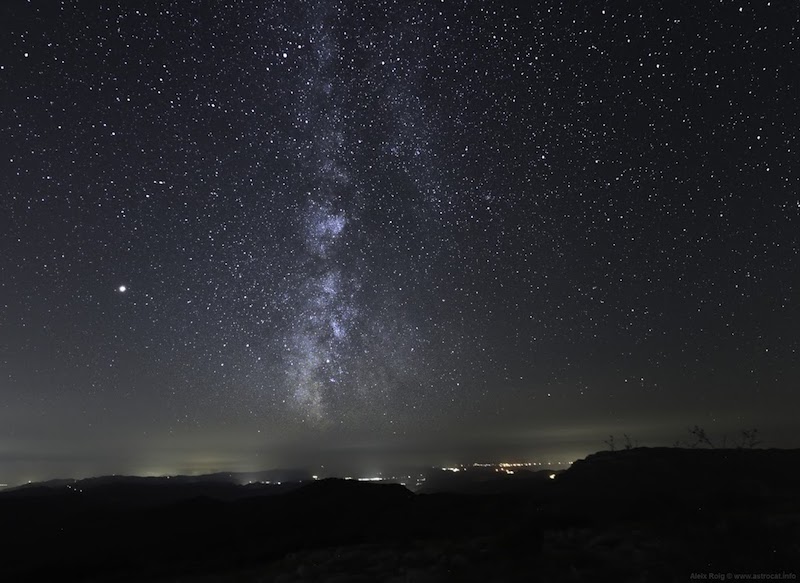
column 267, row 227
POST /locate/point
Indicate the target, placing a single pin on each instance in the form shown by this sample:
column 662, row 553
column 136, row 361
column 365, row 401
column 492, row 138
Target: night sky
column 243, row 235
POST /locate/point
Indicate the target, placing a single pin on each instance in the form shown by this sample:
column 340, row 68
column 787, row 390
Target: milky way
column 332, row 324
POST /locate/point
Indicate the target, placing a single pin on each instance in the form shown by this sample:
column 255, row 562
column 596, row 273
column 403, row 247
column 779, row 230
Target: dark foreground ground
column 658, row 514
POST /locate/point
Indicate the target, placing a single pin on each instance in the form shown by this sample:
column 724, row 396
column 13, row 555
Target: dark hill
column 675, row 473
column 636, row 515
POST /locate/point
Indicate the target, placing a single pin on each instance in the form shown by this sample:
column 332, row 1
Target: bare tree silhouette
column 699, row 437
column 748, row 439
column 628, row 442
